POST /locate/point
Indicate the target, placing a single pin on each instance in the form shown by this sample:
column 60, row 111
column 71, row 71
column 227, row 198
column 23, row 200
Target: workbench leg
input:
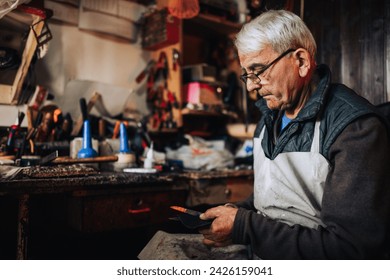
column 23, row 224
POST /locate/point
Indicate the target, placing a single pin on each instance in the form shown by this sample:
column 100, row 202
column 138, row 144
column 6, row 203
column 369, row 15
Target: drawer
column 113, row 212
column 238, row 189
column 219, row 191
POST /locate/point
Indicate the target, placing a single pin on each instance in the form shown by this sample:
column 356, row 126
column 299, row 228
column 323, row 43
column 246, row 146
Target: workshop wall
column 80, row 56
column 353, row 39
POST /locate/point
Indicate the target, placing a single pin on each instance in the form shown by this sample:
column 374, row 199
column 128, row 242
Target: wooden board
column 11, row 93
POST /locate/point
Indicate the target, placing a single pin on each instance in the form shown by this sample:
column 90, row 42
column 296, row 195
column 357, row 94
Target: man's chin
column 272, row 104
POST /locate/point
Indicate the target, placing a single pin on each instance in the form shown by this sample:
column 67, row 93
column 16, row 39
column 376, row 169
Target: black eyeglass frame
column 244, row 77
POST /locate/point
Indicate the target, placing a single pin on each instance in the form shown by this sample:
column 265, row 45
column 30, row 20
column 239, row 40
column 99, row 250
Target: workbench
column 103, row 201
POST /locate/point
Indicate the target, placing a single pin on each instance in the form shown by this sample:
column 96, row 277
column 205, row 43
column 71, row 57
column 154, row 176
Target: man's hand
column 220, row 231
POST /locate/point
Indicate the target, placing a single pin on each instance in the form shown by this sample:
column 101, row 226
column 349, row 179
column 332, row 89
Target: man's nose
column 252, row 86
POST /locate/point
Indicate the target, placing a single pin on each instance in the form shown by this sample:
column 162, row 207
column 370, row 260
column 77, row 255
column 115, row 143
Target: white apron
column 289, row 188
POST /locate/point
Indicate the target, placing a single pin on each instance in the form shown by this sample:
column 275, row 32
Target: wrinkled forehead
column 255, row 60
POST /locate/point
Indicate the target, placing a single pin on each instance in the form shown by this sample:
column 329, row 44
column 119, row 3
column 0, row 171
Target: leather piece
column 193, row 222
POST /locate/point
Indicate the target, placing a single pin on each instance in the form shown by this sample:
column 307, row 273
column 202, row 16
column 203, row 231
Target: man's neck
column 306, row 93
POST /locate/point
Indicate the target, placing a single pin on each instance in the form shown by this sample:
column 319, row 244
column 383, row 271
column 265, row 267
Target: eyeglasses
column 255, row 78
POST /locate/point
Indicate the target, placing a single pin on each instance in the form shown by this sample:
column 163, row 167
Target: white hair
column 279, row 29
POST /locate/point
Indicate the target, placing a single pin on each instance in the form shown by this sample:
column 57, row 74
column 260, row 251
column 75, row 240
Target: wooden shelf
column 203, row 113
column 162, row 130
column 211, row 23
column 187, row 111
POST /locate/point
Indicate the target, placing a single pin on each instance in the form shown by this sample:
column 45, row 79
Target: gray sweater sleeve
column 355, row 205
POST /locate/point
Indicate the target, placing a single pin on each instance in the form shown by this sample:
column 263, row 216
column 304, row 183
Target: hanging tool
column 173, row 100
column 158, row 72
column 145, row 71
column 159, row 97
column 176, row 59
column 162, row 66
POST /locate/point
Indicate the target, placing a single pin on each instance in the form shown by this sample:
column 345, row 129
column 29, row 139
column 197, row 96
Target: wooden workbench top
column 70, row 178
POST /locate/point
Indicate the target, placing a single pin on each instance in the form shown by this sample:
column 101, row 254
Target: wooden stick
column 69, row 160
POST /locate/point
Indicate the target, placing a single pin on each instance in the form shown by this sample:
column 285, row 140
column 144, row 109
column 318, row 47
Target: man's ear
column 304, row 61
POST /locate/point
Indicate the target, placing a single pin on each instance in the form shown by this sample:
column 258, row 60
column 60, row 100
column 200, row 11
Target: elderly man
column 321, row 156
